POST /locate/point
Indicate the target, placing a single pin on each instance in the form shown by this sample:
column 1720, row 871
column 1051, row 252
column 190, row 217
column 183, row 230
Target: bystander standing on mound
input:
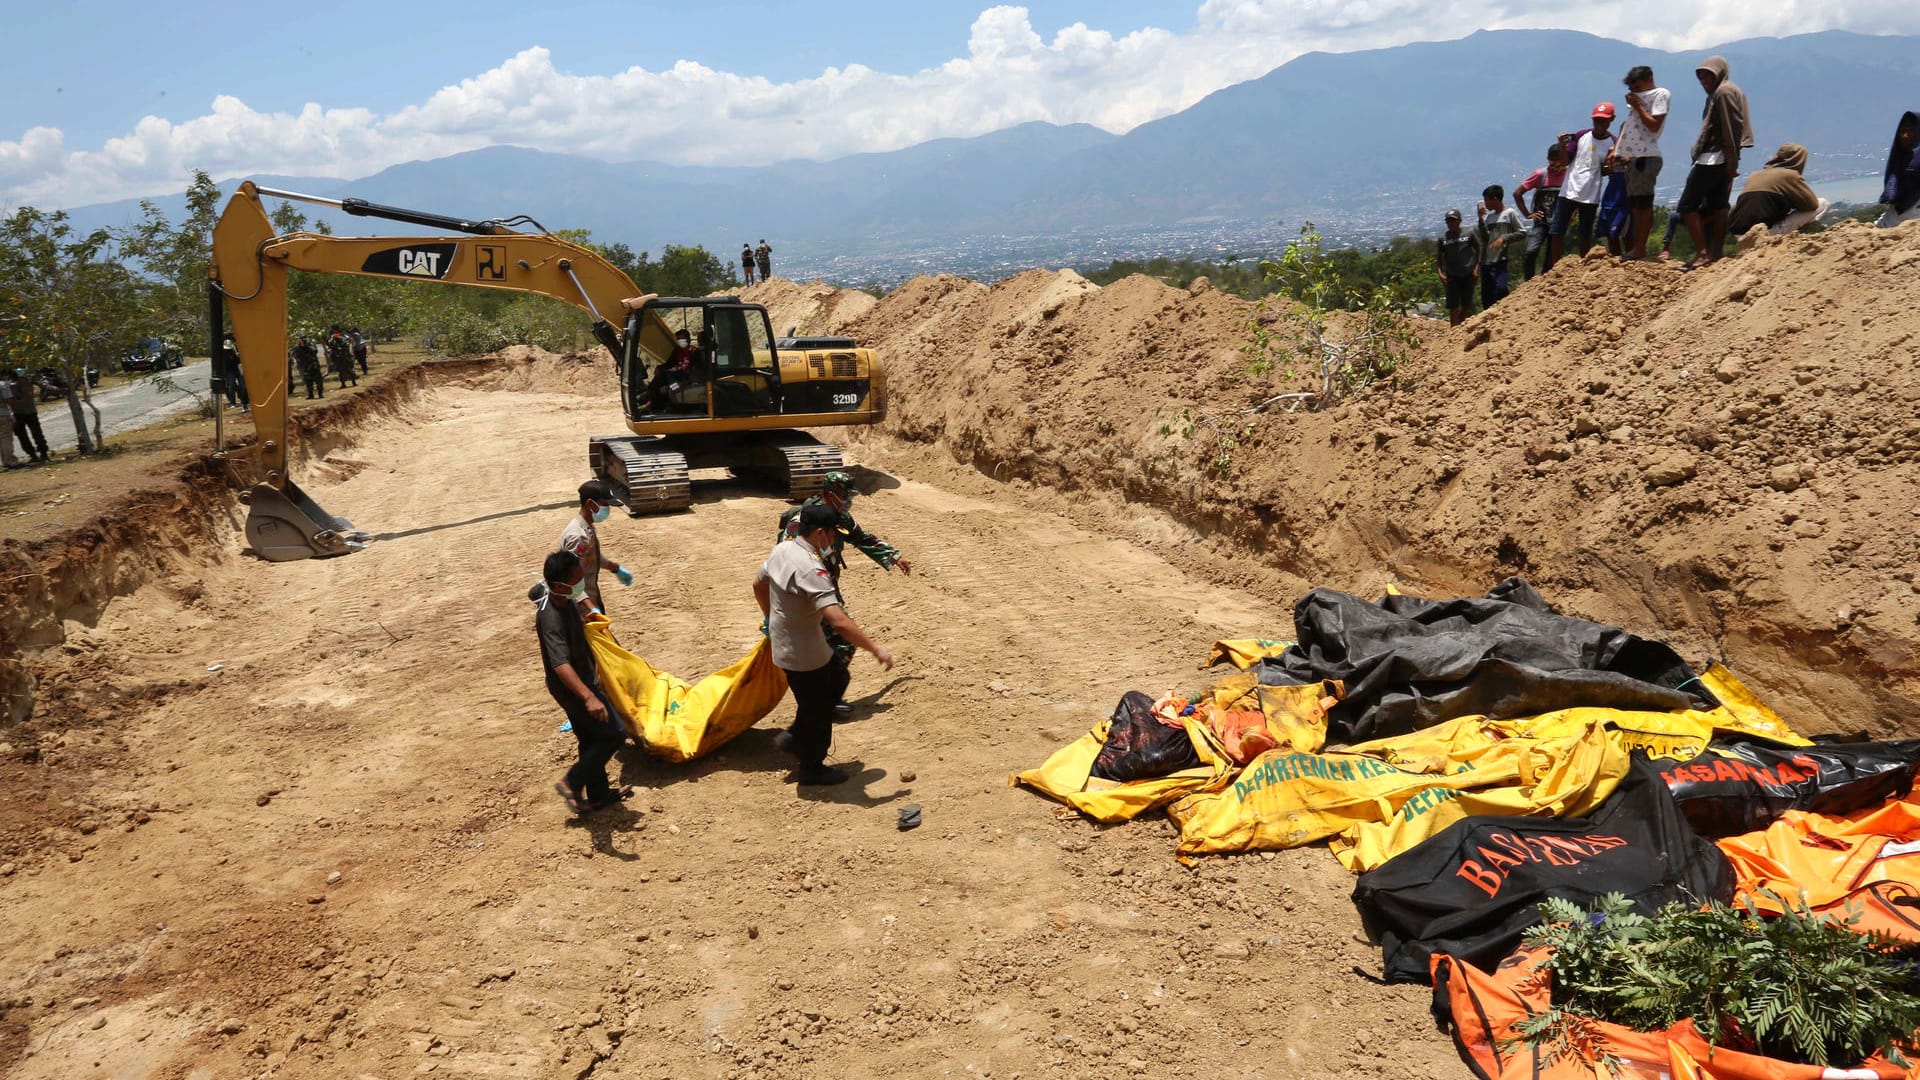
column 1777, row 196
column 1901, row 192
column 1588, row 154
column 1545, row 185
column 1726, row 127
column 763, row 259
column 1500, row 225
column 746, row 263
column 1638, row 152
column 1458, row 260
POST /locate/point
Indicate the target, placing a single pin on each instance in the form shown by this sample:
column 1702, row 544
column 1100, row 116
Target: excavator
column 736, row 401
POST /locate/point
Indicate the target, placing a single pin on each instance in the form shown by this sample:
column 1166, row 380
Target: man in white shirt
column 1589, row 154
column 1638, row 152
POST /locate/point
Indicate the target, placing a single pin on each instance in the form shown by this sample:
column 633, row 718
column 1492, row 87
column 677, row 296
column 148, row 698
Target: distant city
column 991, row 257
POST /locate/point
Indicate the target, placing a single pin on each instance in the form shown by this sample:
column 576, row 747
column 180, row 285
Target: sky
column 107, row 99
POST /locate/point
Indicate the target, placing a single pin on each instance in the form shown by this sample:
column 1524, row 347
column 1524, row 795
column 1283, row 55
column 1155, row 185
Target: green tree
column 68, row 305
column 1340, row 357
column 175, row 259
column 689, row 271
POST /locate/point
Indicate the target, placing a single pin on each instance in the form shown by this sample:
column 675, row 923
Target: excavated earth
column 297, row 820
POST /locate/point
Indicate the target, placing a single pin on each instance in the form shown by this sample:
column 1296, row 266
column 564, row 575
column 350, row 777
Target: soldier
column 360, row 348
column 763, row 260
column 836, row 493
column 340, row 356
column 308, row 358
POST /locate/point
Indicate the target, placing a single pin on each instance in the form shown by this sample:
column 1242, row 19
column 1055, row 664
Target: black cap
column 818, row 516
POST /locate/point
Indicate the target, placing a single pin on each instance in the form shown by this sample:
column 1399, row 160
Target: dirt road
column 168, row 907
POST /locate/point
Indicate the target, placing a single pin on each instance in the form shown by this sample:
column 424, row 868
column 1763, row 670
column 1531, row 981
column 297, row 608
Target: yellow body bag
column 1068, row 777
column 677, row 720
column 1378, row 808
column 1243, row 653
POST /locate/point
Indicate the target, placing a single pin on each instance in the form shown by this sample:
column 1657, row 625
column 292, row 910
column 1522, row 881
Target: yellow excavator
column 734, row 400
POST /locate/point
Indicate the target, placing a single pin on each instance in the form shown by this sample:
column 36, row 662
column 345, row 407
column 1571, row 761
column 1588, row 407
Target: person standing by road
column 574, row 681
column 1638, row 152
column 746, row 263
column 836, row 494
column 796, row 593
column 233, row 376
column 1589, row 154
column 763, row 258
column 8, row 459
column 1726, row 128
column 1545, row 185
column 580, row 538
column 26, row 416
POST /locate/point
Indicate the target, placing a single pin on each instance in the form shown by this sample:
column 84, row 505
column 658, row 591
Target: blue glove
column 625, row 575
column 763, row 628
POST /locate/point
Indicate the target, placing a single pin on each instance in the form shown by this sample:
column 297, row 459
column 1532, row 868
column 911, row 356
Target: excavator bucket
column 286, row 526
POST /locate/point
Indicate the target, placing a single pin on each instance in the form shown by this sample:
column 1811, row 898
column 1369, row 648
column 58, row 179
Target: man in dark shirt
column 574, row 682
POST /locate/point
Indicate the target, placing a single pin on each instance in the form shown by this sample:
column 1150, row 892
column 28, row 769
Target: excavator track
column 806, row 463
column 648, row 477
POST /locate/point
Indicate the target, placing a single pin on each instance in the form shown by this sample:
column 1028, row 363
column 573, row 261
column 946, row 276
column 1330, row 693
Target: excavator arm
column 249, row 281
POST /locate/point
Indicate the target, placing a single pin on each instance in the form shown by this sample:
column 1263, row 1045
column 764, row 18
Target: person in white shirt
column 1589, row 155
column 1638, row 152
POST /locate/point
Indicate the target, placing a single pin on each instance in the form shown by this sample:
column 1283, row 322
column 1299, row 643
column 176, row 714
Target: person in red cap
column 1587, row 155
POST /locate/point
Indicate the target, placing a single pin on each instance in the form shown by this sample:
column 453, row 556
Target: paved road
column 125, row 408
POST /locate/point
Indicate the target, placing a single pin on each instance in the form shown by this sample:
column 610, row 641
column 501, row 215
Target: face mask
column 601, row 514
column 579, row 590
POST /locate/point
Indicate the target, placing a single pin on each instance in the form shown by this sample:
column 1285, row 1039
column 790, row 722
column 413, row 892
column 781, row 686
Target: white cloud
column 693, row 114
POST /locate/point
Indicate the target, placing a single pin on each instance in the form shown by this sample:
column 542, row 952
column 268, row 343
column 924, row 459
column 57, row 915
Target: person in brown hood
column 1726, row 127
column 1777, row 196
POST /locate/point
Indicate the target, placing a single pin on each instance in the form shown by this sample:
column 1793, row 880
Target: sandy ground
column 171, row 833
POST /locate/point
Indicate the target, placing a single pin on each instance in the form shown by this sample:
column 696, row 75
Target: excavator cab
column 734, row 371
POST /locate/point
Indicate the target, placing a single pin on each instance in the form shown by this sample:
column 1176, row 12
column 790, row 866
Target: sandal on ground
column 572, row 800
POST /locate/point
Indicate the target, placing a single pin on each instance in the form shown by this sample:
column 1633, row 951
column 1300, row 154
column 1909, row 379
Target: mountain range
column 1365, row 143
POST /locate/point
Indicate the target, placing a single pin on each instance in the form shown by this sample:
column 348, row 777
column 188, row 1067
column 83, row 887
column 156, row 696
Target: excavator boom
column 249, row 281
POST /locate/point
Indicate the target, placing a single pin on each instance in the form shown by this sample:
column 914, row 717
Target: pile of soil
column 811, row 308
column 1724, row 459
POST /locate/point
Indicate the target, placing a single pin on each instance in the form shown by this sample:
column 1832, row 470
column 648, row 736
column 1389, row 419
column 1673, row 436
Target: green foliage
column 1798, row 986
column 1404, row 263
column 1340, row 356
column 67, row 302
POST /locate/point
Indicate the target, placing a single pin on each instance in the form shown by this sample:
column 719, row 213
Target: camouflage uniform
column 846, row 531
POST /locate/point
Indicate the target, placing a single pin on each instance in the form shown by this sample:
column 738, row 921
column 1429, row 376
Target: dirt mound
column 810, row 308
column 1725, row 459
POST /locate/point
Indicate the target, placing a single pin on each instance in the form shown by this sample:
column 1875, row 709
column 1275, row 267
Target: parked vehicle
column 153, row 354
column 53, row 384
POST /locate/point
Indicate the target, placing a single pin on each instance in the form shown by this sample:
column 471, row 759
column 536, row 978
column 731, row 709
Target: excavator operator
column 683, row 367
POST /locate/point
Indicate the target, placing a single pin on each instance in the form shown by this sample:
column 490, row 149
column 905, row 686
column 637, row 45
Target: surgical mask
column 579, row 590
column 601, row 513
